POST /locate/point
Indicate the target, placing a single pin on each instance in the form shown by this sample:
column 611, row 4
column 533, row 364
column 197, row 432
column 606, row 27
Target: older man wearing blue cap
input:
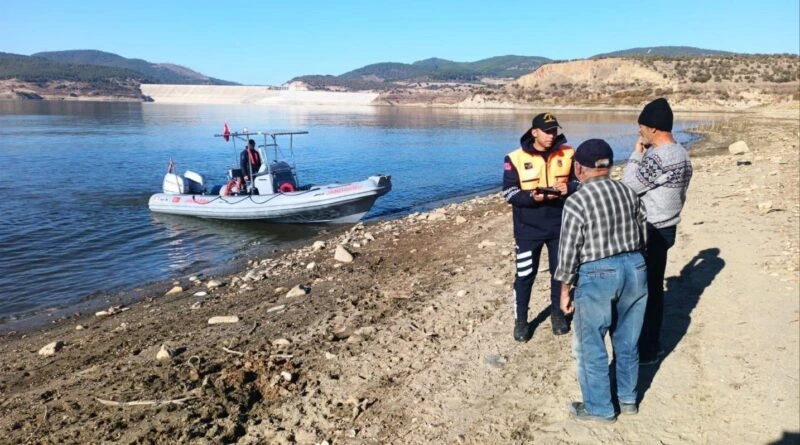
column 603, row 230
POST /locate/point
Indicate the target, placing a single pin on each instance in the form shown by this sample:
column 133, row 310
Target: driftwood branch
column 231, row 351
column 255, row 325
column 180, row 401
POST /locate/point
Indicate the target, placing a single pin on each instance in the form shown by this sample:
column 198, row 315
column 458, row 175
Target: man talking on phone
column 659, row 171
column 537, row 177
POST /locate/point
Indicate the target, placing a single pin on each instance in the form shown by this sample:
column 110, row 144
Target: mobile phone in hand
column 548, row 191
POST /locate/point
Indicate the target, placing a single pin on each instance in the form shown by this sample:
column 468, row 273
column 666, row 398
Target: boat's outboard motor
column 173, row 184
column 190, row 183
column 282, row 177
column 194, row 183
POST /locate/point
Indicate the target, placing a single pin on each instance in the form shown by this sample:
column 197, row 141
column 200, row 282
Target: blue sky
column 269, row 42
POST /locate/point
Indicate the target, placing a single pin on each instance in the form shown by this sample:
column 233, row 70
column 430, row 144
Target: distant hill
column 389, row 72
column 386, row 75
column 665, row 51
column 158, row 72
column 38, row 69
column 738, row 81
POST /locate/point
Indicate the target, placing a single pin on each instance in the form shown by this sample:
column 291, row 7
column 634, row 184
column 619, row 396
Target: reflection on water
column 196, row 244
column 78, row 176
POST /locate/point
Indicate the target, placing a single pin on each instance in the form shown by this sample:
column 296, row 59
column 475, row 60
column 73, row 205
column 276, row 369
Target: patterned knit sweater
column 660, row 176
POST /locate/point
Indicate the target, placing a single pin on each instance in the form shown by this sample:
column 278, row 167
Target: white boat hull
column 333, row 203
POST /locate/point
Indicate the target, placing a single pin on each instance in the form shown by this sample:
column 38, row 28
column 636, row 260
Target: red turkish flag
column 226, row 132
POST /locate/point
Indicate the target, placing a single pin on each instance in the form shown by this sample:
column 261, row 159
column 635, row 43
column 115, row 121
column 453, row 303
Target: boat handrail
column 273, row 134
column 262, row 133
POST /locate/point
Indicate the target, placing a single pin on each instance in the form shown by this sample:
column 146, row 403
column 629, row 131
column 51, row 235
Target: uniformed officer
column 537, row 178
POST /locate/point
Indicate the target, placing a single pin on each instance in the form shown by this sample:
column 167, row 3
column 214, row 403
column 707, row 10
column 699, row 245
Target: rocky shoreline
column 400, row 332
column 409, row 97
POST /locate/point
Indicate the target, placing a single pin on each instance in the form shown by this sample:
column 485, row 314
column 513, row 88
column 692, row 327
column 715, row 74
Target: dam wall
column 225, row 94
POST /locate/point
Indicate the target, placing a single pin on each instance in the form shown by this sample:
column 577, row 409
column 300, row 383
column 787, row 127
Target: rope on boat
column 219, row 197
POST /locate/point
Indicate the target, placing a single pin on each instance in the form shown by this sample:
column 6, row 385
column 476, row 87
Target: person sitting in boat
column 250, row 160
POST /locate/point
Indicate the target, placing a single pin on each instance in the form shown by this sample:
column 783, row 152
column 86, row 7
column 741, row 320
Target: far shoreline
column 703, row 110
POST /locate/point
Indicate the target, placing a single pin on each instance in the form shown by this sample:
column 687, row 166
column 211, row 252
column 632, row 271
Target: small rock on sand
column 281, row 343
column 51, row 348
column 343, row 255
column 213, row 284
column 298, row 291
column 277, row 308
column 764, row 207
column 223, row 319
column 164, row 354
column 738, row 148
column 174, row 291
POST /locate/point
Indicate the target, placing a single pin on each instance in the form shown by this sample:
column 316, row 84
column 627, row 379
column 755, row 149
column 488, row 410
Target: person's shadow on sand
column 680, row 298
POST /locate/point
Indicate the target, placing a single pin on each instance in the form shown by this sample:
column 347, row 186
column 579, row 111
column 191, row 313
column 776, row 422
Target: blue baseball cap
column 594, row 153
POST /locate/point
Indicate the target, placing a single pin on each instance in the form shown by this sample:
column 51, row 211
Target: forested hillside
column 665, row 51
column 387, row 75
column 38, row 69
column 156, row 72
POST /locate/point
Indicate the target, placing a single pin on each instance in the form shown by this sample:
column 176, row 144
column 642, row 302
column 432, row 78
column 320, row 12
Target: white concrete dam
column 218, row 94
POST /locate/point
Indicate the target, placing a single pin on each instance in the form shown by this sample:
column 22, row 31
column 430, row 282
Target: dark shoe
column 560, row 325
column 629, row 409
column 647, row 361
column 578, row 411
column 521, row 332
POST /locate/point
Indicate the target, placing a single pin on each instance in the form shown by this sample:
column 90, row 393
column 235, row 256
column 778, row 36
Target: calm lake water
column 76, row 178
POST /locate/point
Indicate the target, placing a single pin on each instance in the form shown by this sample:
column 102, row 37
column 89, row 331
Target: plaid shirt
column 602, row 219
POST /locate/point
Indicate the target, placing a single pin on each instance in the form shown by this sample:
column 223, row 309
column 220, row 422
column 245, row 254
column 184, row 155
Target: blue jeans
column 611, row 296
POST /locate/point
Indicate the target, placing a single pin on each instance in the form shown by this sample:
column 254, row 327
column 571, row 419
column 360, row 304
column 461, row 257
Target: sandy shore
column 411, row 342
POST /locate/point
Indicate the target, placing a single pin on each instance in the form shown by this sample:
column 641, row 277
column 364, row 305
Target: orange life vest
column 534, row 172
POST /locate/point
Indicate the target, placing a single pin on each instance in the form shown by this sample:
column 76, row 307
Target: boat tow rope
column 219, row 197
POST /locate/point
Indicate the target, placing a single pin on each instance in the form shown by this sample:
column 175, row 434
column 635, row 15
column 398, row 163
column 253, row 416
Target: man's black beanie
column 657, row 114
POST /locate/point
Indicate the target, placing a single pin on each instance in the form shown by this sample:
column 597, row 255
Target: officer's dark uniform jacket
column 249, row 160
column 527, row 168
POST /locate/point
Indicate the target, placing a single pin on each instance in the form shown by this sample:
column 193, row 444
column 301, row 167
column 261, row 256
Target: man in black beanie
column 658, row 115
column 659, row 171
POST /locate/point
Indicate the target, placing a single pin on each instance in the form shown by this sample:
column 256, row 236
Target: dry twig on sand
column 231, row 351
column 255, row 325
column 180, row 401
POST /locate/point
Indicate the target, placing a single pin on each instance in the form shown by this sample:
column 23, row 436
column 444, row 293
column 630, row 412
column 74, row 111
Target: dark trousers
column 528, row 252
column 658, row 243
